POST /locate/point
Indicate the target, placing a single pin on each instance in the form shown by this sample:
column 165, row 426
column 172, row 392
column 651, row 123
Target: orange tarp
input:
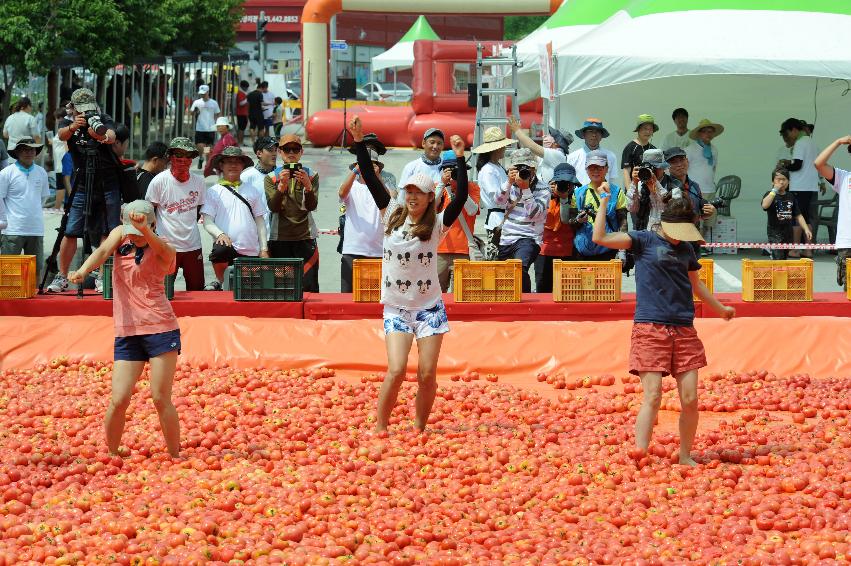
column 820, row 346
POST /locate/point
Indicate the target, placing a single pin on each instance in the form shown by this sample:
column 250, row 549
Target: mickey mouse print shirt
column 409, row 266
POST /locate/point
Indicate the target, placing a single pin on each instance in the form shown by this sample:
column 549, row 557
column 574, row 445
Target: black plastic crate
column 267, row 279
column 106, row 268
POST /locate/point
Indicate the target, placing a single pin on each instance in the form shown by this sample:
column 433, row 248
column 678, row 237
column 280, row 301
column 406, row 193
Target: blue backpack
column 582, row 241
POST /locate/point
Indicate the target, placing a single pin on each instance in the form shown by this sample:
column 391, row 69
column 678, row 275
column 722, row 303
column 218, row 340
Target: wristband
column 774, row 192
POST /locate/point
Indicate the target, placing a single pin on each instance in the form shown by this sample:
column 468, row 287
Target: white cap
column 203, row 89
column 421, row 181
column 223, row 121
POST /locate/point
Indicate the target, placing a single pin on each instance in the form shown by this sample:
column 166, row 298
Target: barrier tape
column 768, row 246
column 329, row 232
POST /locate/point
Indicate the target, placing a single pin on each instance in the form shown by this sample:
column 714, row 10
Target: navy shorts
column 103, row 219
column 146, row 346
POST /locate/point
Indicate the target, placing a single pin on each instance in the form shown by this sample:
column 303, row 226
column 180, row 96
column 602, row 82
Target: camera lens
column 454, row 173
column 562, row 186
column 644, row 174
column 525, row 174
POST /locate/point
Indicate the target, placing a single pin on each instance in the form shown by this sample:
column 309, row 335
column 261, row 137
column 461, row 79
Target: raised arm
column 370, row 179
column 824, row 168
column 523, row 139
column 613, row 240
column 454, row 208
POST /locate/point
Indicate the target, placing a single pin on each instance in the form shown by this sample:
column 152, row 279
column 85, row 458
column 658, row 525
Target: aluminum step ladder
column 501, row 87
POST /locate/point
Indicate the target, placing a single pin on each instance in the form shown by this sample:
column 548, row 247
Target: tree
column 210, row 27
column 518, row 27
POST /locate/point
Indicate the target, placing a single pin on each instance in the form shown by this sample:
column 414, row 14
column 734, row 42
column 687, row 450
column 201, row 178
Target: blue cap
column 565, row 172
column 592, row 124
column 449, row 159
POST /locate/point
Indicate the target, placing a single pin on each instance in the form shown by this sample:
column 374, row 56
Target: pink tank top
column 139, row 304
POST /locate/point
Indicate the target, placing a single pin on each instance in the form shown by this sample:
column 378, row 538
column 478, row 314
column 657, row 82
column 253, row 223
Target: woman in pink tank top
column 146, row 329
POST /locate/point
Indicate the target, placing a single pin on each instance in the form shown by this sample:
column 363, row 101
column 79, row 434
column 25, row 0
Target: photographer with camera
column 679, row 185
column 592, row 132
column 525, row 200
column 90, row 135
column 553, row 152
column 587, row 200
column 645, row 197
column 840, row 180
column 557, row 242
column 292, row 194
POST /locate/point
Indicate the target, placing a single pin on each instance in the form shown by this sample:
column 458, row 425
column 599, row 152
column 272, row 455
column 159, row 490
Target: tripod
column 341, row 137
column 51, row 265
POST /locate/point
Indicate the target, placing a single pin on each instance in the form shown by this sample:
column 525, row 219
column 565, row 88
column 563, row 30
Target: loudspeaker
column 347, row 89
column 472, row 92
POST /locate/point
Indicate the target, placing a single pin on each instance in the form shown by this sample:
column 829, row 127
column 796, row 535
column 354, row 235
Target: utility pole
column 261, row 42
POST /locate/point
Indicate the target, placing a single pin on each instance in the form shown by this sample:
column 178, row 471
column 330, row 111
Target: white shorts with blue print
column 422, row 324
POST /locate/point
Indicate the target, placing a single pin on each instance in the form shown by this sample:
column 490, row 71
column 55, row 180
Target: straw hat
column 493, row 139
column 706, row 123
column 678, row 221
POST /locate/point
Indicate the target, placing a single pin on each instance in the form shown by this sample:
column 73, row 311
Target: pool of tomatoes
column 281, row 467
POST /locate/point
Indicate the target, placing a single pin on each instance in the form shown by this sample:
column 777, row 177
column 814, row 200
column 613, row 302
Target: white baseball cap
column 203, row 89
column 422, row 182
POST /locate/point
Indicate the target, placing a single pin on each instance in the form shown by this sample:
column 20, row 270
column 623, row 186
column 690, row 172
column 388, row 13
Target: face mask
column 180, row 167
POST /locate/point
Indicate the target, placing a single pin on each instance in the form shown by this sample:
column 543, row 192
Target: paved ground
column 332, row 167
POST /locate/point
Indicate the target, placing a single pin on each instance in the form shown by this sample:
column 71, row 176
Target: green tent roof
column 420, row 30
column 647, row 7
column 584, row 12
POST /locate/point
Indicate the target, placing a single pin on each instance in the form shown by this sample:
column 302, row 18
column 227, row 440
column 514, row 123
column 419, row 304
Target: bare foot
column 122, row 452
column 687, row 461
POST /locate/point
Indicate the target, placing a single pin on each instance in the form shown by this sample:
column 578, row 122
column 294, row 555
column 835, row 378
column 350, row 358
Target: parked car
column 390, row 92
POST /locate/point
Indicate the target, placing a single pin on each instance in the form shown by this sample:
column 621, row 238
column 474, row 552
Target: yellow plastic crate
column 847, row 272
column 17, row 276
column 488, row 281
column 587, row 281
column 766, row 281
column 366, row 280
column 707, row 274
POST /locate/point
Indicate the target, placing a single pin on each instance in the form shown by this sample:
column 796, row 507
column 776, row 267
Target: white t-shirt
column 409, row 266
column 268, row 104
column 364, row 232
column 60, row 148
column 177, row 209
column 232, row 216
column 4, row 220
column 20, row 125
column 207, row 110
column 23, row 196
column 552, row 157
column 676, row 140
column 492, row 178
column 806, row 178
column 842, row 186
column 252, row 176
column 577, row 159
column 699, row 168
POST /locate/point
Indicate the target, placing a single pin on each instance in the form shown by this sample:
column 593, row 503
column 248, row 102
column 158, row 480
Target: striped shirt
column 526, row 212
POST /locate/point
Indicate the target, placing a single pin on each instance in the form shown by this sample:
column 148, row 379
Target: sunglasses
column 180, row 154
column 125, row 249
column 289, row 149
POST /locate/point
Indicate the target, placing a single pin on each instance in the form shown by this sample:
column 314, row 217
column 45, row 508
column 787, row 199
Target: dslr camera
column 588, row 210
column 94, row 121
column 292, row 167
column 645, row 172
column 524, row 172
column 718, row 202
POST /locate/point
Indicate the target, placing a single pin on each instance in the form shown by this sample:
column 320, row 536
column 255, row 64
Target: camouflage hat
column 183, row 143
column 84, row 100
column 230, row 151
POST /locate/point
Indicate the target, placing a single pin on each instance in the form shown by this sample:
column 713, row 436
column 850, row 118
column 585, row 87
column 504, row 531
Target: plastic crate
column 17, row 276
column 587, row 281
column 765, row 281
column 706, row 274
column 366, row 280
column 107, row 282
column 488, row 281
column 267, row 279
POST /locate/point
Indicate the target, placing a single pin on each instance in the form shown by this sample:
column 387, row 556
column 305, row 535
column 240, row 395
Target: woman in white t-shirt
column 410, row 291
column 364, row 232
column 492, row 178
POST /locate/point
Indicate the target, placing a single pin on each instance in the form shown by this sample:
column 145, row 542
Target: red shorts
column 666, row 349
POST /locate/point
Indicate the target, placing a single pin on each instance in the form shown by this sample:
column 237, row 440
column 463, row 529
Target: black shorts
column 804, row 198
column 224, row 254
column 241, row 123
column 143, row 347
column 255, row 121
column 207, row 138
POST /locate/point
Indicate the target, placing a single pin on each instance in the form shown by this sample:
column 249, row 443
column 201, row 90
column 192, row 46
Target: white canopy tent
column 401, row 55
column 750, row 65
column 572, row 20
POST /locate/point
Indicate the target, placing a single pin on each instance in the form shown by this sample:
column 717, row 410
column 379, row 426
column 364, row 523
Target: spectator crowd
column 537, row 203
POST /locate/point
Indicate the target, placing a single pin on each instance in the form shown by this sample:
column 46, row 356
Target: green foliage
column 208, row 26
column 518, row 27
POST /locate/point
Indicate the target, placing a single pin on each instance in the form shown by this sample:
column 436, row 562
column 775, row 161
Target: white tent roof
column 401, row 55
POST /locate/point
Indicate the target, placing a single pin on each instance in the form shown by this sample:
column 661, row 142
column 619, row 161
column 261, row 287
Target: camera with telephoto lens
column 524, row 172
column 95, row 123
column 291, row 167
column 645, row 172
